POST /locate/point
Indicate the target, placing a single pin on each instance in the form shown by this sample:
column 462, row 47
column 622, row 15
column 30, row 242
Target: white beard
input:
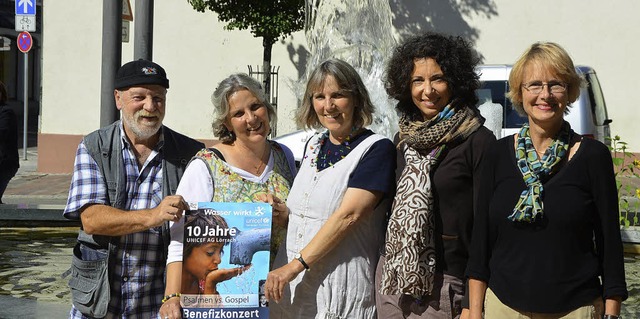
column 140, row 131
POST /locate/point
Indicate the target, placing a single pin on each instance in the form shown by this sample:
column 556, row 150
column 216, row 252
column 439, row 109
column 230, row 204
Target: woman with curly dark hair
column 440, row 146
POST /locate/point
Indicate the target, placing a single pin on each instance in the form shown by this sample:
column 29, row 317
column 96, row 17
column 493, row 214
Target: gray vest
column 104, row 146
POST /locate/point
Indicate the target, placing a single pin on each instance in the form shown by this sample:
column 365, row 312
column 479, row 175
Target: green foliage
column 626, row 172
column 269, row 19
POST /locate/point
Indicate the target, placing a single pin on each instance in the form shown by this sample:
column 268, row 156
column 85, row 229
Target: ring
column 166, row 317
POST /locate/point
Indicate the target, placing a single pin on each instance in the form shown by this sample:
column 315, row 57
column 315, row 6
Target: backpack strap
column 218, row 153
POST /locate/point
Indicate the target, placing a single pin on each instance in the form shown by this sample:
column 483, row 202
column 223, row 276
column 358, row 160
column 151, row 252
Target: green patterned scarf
column 534, row 170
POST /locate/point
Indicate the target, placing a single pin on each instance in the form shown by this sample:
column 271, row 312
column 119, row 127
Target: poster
column 225, row 260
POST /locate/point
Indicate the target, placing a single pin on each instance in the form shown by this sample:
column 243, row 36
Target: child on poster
column 203, row 254
column 225, row 257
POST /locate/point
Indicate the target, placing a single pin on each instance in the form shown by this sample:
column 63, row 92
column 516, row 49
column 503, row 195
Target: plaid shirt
column 137, row 285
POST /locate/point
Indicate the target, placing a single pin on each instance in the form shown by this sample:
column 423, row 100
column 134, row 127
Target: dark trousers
column 5, row 176
column 444, row 303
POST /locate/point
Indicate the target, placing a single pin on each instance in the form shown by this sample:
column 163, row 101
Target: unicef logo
column 259, row 211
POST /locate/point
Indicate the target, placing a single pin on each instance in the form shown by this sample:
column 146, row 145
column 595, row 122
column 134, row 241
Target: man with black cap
column 122, row 190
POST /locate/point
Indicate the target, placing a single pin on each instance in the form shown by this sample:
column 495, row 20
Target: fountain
column 360, row 33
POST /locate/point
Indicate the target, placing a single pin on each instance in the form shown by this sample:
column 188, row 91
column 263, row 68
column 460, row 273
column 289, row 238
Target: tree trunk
column 267, row 44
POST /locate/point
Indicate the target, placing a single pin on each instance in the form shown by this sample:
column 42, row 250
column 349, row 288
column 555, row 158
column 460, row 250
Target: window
column 597, row 99
column 499, row 89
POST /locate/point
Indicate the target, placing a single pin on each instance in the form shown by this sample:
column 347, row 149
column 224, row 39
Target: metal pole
column 111, row 58
column 26, row 105
column 143, row 34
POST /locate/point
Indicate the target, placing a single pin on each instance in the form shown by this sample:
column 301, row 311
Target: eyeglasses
column 536, row 87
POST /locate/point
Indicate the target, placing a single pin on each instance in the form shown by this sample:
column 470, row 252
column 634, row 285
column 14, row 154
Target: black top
column 552, row 265
column 455, row 188
column 9, row 159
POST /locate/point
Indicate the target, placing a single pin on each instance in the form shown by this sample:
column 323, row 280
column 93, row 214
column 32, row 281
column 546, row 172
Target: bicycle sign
column 25, row 23
column 25, row 15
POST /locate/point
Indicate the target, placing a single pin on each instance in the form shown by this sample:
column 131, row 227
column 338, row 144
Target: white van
column 587, row 115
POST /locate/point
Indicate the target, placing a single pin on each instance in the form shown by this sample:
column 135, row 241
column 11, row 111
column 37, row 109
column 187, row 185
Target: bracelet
column 167, row 297
column 611, row 317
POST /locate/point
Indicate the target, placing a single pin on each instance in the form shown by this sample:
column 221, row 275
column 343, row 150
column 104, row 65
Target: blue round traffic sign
column 24, row 41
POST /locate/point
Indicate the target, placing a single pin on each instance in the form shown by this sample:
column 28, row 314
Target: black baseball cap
column 140, row 72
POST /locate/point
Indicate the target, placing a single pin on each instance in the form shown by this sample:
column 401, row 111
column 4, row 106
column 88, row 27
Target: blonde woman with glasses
column 546, row 238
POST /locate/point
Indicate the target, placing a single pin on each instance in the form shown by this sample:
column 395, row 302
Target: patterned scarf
column 534, row 170
column 410, row 240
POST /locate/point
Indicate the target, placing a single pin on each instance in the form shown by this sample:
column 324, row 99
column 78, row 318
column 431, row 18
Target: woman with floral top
column 244, row 167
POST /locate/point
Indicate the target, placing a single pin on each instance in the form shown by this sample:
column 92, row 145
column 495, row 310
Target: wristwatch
column 611, row 317
column 299, row 258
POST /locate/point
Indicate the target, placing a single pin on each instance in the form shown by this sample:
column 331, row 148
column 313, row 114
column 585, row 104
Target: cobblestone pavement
column 32, row 187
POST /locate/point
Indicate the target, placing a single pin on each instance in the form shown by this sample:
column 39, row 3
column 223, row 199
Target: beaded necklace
column 329, row 153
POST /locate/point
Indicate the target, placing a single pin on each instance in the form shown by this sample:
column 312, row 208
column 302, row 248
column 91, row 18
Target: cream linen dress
column 341, row 285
